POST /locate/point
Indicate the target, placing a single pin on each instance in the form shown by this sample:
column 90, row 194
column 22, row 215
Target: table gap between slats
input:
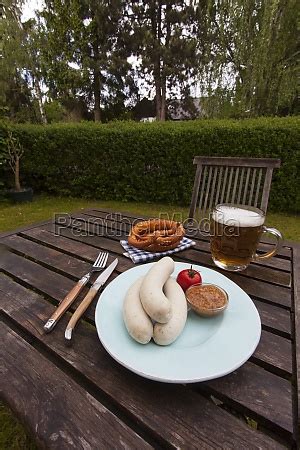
column 247, row 412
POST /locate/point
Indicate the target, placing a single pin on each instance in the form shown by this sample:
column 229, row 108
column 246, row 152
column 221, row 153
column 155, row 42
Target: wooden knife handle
column 79, row 311
column 66, row 303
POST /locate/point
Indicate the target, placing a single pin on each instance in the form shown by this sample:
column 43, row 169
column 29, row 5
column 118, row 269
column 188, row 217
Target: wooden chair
column 245, row 181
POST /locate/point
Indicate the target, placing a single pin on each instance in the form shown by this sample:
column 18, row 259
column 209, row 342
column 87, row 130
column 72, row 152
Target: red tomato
column 188, row 277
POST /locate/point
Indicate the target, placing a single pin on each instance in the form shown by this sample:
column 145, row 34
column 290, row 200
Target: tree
column 254, row 54
column 32, row 48
column 276, row 59
column 11, row 58
column 20, row 86
column 163, row 39
column 84, row 52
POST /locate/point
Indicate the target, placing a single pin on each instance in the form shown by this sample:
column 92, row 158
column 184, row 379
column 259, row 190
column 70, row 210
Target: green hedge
column 154, row 162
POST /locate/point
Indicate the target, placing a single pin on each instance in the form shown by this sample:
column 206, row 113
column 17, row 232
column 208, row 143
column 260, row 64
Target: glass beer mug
column 235, row 232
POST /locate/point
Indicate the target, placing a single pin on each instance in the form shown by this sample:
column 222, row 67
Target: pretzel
column 156, row 235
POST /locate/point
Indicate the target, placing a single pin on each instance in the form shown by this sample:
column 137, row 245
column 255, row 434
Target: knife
column 66, row 303
column 100, row 281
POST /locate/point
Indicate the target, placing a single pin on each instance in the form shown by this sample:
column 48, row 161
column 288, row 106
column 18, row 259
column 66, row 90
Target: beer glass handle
column 272, row 252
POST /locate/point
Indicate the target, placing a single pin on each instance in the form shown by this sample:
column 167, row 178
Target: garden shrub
column 154, row 162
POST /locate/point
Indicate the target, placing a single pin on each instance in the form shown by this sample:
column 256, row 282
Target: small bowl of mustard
column 207, row 299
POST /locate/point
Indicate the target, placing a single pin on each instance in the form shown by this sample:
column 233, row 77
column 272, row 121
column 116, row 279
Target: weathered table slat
column 80, row 250
column 42, row 267
column 104, row 243
column 49, row 257
column 274, row 318
column 42, row 280
column 53, row 408
column 280, row 355
column 72, row 248
column 296, row 311
column 242, row 387
column 188, row 417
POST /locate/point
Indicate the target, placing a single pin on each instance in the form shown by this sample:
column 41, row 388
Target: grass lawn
column 12, row 435
column 44, row 207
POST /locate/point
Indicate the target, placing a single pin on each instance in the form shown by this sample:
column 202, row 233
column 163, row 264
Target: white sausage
column 154, row 301
column 138, row 324
column 165, row 334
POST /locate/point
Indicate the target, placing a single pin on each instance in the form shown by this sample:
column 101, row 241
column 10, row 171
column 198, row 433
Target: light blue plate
column 207, row 348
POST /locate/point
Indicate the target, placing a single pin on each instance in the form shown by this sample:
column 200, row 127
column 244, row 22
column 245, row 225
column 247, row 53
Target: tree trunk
column 97, row 109
column 156, row 30
column 40, row 102
column 17, row 175
column 163, row 73
column 158, row 99
column 163, row 101
column 97, row 86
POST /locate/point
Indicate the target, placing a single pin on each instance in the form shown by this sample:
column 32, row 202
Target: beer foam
column 232, row 215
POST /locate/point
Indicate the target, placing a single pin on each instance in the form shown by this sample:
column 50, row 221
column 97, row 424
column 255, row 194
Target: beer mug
column 235, row 231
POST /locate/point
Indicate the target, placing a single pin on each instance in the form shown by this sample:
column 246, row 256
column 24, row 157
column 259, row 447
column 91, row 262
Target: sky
column 29, row 7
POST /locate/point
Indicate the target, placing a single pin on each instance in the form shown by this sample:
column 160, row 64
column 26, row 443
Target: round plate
column 207, row 348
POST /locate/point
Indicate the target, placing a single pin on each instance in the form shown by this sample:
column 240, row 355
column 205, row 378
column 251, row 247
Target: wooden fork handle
column 66, row 303
column 79, row 311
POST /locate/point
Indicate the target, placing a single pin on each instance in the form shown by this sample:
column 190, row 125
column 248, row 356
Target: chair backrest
column 245, row 181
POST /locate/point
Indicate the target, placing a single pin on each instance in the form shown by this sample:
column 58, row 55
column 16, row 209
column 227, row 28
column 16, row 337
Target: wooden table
column 79, row 397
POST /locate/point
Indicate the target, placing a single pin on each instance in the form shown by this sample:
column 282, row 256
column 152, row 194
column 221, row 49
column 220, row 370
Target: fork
column 98, row 265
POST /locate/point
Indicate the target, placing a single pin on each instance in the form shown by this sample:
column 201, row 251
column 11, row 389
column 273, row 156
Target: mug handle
column 271, row 253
